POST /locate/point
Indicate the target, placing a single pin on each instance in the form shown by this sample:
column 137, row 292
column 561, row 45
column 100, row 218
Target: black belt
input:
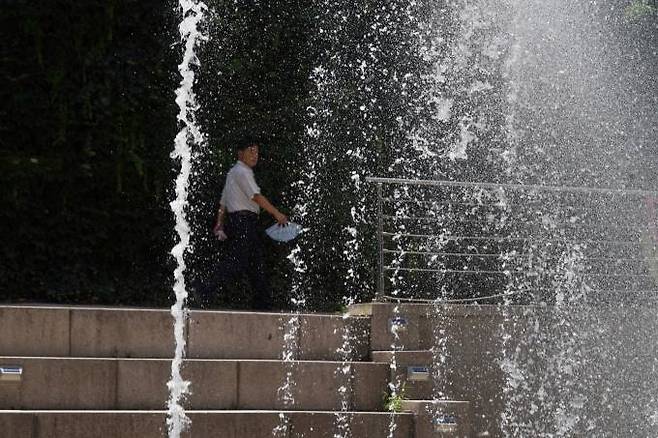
column 243, row 213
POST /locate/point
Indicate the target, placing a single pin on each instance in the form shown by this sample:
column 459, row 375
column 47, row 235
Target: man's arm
column 268, row 207
column 218, row 229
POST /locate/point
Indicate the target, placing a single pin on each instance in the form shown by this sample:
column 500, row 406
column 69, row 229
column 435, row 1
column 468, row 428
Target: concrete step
column 497, row 356
column 441, row 418
column 471, row 349
column 148, row 333
column 413, row 369
column 103, row 383
column 417, row 322
column 205, row 424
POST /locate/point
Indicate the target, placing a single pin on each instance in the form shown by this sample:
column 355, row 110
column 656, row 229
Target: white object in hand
column 284, row 233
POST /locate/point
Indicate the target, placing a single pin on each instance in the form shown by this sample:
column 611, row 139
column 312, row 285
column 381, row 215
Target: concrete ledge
column 205, row 424
column 441, row 419
column 422, row 319
column 148, row 333
column 121, row 333
column 322, row 335
column 222, row 335
column 368, row 309
column 17, row 424
column 142, row 384
column 28, row 331
column 62, row 384
column 360, row 309
column 235, row 335
column 413, row 389
column 316, row 385
column 80, row 383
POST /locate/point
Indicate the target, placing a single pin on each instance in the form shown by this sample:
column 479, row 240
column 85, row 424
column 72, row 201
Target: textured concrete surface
column 142, row 384
column 322, row 335
column 607, row 347
column 79, row 383
column 472, row 351
column 17, row 425
column 410, row 336
column 148, row 333
column 232, row 335
column 86, row 424
column 223, row 334
column 371, row 425
column 424, row 319
column 413, row 389
column 122, row 333
column 205, row 424
column 316, row 385
column 29, row 331
column 525, row 361
column 50, row 383
column 442, row 419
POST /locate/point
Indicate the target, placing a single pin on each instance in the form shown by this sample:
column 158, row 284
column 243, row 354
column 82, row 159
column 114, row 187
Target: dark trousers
column 243, row 258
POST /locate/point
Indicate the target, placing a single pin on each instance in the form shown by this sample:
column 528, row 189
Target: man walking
column 237, row 224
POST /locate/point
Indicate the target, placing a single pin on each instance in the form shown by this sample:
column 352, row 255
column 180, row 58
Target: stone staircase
column 82, row 372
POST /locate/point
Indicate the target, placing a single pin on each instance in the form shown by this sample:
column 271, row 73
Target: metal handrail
column 506, row 273
column 469, row 204
column 441, row 217
column 486, row 297
column 513, row 239
column 503, row 256
column 529, row 187
column 405, row 200
column 382, row 233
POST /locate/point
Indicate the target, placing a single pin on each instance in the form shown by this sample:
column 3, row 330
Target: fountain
column 193, row 15
column 508, row 110
column 553, row 243
column 492, row 166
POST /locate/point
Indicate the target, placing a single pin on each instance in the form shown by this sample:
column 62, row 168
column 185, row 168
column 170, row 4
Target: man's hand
column 281, row 218
column 218, row 231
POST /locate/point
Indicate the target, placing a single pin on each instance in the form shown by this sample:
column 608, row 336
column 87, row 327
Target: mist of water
column 531, row 92
column 511, row 91
column 193, row 13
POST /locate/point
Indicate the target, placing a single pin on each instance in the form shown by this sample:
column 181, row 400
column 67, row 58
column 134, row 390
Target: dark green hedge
column 87, row 124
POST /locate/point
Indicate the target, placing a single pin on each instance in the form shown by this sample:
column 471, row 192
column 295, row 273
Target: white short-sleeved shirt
column 239, row 189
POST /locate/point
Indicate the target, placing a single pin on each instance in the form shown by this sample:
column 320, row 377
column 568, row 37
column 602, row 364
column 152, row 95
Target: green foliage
column 639, row 9
column 393, row 402
column 87, row 124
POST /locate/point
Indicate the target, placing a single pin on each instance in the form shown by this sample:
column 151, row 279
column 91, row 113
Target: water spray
column 193, row 15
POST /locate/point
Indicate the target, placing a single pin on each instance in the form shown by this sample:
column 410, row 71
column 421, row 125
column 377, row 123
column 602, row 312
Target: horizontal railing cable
column 452, row 300
column 485, row 221
column 510, row 239
column 442, row 202
column 482, row 298
column 509, row 256
column 507, row 273
column 524, row 187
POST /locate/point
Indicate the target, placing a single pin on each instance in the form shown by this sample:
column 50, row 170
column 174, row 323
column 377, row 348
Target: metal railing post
column 380, row 243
